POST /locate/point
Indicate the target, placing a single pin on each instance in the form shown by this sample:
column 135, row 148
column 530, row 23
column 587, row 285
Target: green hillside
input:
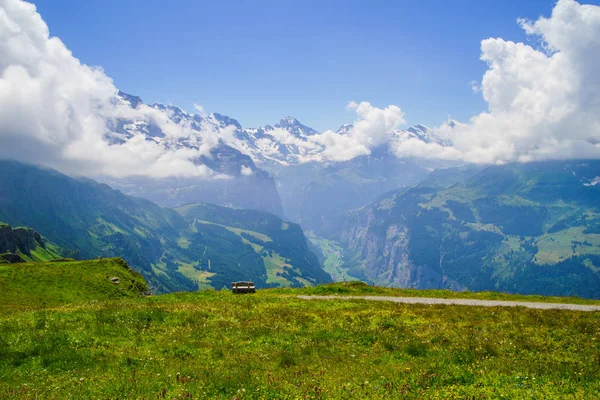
column 262, row 243
column 43, row 284
column 172, row 252
column 524, row 228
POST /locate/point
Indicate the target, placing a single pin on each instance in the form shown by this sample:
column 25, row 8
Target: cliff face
column 24, row 240
column 380, row 249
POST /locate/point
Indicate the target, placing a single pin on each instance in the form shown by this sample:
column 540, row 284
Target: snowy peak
column 418, row 129
column 224, row 120
column 345, row 129
column 289, row 142
column 420, row 132
column 127, row 99
column 295, row 127
column 287, row 122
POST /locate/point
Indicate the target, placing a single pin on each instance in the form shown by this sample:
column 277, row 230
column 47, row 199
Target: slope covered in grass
column 251, row 245
column 33, row 285
column 223, row 346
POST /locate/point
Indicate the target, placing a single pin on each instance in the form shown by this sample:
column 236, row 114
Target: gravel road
column 462, row 302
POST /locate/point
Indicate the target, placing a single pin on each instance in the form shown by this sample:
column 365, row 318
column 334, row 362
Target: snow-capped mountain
column 286, row 143
column 241, row 183
column 294, row 126
column 344, row 129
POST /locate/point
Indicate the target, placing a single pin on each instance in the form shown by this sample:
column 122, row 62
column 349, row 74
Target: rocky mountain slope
column 527, row 228
column 24, row 244
column 172, row 252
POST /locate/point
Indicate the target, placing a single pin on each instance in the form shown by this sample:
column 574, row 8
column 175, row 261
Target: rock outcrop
column 24, row 240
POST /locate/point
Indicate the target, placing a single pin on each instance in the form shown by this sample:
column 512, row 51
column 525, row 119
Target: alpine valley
column 188, row 233
column 403, row 222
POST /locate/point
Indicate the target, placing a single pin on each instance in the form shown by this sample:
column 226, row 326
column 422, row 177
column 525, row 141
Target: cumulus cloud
column 373, row 127
column 54, row 109
column 543, row 100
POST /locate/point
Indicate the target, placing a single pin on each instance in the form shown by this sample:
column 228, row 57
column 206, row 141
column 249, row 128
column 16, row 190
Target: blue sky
column 258, row 61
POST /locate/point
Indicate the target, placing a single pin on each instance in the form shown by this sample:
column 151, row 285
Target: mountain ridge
column 277, row 168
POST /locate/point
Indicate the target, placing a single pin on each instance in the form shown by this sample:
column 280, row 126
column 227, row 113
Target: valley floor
column 274, row 345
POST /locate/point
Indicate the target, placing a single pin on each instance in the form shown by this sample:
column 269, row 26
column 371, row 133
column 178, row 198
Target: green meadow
column 100, row 344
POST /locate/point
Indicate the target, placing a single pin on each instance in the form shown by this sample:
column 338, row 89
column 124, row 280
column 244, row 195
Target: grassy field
column 49, row 284
column 272, row 345
column 563, row 244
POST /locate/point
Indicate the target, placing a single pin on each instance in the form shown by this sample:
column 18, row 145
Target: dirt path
column 462, row 302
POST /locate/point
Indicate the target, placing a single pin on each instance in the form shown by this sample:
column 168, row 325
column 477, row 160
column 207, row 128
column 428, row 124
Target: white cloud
column 54, row 109
column 543, row 103
column 373, row 127
column 284, row 136
column 475, row 86
column 246, row 171
column 200, row 110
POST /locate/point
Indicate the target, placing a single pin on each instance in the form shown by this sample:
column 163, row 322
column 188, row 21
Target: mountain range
column 82, row 218
column 288, row 142
column 279, row 169
column 242, row 184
